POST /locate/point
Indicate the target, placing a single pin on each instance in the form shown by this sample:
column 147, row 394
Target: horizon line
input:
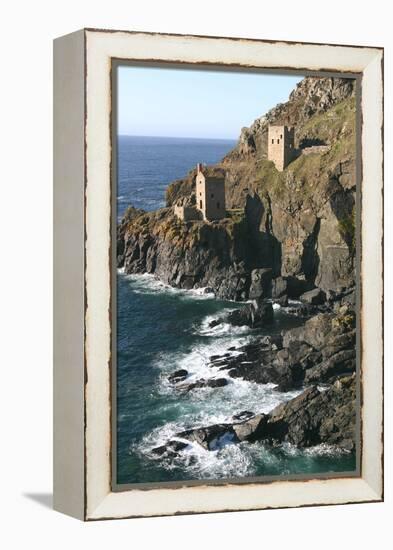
column 179, row 137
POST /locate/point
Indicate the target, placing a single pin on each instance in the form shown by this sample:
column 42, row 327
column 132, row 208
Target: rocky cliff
column 302, row 219
column 298, row 222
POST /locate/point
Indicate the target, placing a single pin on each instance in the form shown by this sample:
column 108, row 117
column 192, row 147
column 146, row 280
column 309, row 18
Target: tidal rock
column 203, row 383
column 254, row 315
column 170, row 449
column 316, row 417
column 211, row 437
column 311, row 418
column 243, row 415
column 178, row 376
column 317, row 352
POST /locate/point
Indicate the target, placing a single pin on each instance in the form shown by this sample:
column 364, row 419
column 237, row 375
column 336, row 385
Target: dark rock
column 314, row 332
column 254, row 315
column 211, row 437
column 297, row 286
column 305, row 310
column 315, row 296
column 317, row 352
column 251, row 429
column 311, row 418
column 341, row 363
column 260, row 284
column 178, row 376
column 316, row 417
column 243, row 415
column 217, row 382
column 279, row 287
column 203, row 383
column 170, row 449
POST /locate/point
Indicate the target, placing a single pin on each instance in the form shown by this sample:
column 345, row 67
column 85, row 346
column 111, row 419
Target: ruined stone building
column 209, row 200
column 281, row 148
column 210, row 193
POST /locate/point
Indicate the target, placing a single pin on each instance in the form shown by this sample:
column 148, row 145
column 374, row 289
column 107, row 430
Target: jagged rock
column 251, row 429
column 316, row 417
column 170, row 449
column 203, row 383
column 311, row 418
column 342, row 362
column 257, row 314
column 306, row 310
column 243, row 415
column 315, row 296
column 211, row 437
column 260, row 283
column 178, row 376
column 316, row 352
column 254, row 315
column 314, row 331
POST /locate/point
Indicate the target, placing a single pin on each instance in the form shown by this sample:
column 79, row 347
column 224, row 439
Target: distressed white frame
column 99, row 501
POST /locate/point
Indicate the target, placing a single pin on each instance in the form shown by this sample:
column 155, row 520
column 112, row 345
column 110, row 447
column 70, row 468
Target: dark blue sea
column 148, row 164
column 161, row 329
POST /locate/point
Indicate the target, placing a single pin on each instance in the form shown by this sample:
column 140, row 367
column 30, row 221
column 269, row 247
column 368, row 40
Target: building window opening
column 280, row 136
column 200, row 205
column 278, row 141
column 212, row 195
column 272, row 141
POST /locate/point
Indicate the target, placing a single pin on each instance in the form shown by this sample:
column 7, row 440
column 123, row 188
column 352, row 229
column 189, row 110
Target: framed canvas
column 218, row 270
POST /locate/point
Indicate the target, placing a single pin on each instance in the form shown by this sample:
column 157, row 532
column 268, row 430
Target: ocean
column 161, row 329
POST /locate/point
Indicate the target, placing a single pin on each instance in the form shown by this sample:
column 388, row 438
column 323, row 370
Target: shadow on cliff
column 265, row 248
column 310, row 257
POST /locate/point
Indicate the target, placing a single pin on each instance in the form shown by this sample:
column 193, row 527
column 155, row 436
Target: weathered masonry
column 210, row 193
column 281, row 145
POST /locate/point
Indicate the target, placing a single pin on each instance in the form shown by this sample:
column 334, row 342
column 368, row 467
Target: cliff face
column 194, row 254
column 299, row 222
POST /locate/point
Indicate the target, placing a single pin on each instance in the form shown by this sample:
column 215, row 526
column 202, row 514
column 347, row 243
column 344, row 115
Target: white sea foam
column 317, row 450
column 207, row 406
column 147, row 283
column 222, row 329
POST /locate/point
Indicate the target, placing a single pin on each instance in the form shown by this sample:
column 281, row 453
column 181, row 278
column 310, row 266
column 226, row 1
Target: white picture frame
column 83, row 255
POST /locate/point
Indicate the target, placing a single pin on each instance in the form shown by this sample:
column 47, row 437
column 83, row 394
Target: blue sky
column 190, row 103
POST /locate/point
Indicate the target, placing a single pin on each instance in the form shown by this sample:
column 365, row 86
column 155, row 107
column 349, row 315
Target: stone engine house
column 281, row 145
column 210, row 193
column 208, row 202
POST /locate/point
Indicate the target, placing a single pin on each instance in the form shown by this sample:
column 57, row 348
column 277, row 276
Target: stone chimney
column 199, row 167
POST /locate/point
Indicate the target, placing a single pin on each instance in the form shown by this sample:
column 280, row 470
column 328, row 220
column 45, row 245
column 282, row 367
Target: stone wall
column 210, row 196
column 187, row 213
column 280, row 146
